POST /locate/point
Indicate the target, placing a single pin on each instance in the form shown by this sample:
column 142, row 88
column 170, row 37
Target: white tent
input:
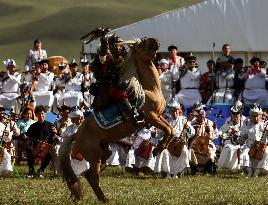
column 241, row 23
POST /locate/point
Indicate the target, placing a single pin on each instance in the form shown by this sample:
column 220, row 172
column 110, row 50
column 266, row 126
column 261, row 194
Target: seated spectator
column 24, row 100
column 255, row 84
column 43, row 91
column 8, row 128
column 72, row 95
column 10, row 84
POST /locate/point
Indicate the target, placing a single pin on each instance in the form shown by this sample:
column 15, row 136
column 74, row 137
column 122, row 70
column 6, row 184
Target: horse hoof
column 105, row 199
column 141, row 174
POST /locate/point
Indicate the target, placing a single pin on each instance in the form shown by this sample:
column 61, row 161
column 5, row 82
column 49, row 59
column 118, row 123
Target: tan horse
column 90, row 135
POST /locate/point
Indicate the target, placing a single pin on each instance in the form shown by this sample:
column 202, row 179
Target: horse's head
column 146, row 49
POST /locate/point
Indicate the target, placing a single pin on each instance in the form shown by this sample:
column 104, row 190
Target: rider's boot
column 127, row 111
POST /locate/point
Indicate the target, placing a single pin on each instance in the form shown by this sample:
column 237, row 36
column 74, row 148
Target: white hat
column 9, row 62
column 84, row 60
column 76, row 113
column 163, row 61
column 255, row 109
column 199, row 109
column 174, row 104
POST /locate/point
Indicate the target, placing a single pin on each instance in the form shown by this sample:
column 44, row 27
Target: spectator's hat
column 171, row 47
column 255, row 110
column 62, row 65
column 84, row 61
column 10, row 63
column 254, row 59
column 173, row 104
column 237, row 108
column 24, row 86
column 43, row 61
column 199, row 109
column 73, row 63
column 190, row 57
column 76, row 112
column 163, row 61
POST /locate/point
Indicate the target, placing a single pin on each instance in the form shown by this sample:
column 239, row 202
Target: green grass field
column 61, row 23
column 124, row 188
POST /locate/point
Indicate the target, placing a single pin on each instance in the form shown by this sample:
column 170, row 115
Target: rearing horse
column 89, row 135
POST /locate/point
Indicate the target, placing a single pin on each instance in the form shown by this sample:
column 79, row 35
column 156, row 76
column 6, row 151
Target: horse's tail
column 67, row 171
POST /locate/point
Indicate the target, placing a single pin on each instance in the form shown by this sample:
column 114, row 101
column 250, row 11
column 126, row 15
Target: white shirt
column 191, row 79
column 32, row 58
column 74, row 83
column 11, row 85
column 45, row 81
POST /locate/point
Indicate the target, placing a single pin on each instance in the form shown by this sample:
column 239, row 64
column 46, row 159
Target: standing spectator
column 224, row 77
column 88, row 79
column 10, row 84
column 35, row 54
column 188, row 83
column 26, row 120
column 167, row 80
column 175, row 61
column 207, row 82
column 255, row 84
column 239, row 79
column 40, row 131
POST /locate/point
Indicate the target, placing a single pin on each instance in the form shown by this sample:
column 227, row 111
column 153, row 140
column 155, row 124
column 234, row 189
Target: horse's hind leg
column 93, row 177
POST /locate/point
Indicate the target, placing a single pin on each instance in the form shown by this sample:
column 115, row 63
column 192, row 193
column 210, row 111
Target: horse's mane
column 128, row 68
column 128, row 76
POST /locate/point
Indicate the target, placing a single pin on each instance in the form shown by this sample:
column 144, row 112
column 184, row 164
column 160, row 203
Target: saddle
column 257, row 150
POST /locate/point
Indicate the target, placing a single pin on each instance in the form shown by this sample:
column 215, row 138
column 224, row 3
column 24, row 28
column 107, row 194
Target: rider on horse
column 106, row 66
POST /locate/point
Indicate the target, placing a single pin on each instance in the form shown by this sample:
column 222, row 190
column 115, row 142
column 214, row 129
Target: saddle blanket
column 109, row 117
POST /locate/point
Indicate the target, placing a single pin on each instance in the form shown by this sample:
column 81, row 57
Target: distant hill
column 60, row 23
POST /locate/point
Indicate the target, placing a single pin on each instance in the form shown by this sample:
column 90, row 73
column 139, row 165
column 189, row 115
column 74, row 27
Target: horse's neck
column 148, row 76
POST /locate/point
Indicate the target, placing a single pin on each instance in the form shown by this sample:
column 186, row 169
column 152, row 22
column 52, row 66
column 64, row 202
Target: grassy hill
column 60, row 23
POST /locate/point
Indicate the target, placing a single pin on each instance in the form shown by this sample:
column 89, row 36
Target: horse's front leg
column 93, row 177
column 156, row 121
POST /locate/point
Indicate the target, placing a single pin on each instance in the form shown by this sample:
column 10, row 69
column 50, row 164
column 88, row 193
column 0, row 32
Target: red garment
column 117, row 94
